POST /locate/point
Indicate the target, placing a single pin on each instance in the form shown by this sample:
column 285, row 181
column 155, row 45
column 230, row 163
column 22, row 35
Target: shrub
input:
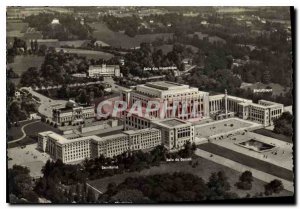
column 244, row 185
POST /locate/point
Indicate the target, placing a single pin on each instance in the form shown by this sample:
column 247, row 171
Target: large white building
column 188, row 101
column 263, row 112
column 78, row 149
column 175, row 133
column 191, row 102
column 95, row 71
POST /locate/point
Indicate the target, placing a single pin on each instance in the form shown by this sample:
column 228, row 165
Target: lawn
column 16, row 26
column 203, row 170
column 166, row 48
column 15, row 132
column 248, row 161
column 90, row 54
column 270, row 133
column 31, row 132
column 77, row 43
column 117, row 39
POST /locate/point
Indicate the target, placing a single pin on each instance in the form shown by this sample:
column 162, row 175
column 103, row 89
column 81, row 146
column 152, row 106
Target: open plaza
column 28, row 156
column 224, row 127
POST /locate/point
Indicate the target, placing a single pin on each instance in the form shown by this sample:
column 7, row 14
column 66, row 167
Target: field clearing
column 277, row 89
column 16, row 26
column 117, row 39
column 166, row 48
column 203, row 170
column 248, row 161
column 91, row 54
column 77, row 43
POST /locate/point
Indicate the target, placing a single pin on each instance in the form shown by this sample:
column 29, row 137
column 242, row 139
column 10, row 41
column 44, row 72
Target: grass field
column 16, row 26
column 31, row 132
column 248, row 161
column 203, row 170
column 77, row 43
column 116, row 39
column 22, row 63
column 90, row 54
column 15, row 132
column 166, row 48
column 270, row 133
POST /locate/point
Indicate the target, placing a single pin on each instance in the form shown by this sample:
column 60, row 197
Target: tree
column 21, row 184
column 91, row 197
column 274, row 186
column 245, row 182
column 246, row 177
column 283, row 124
column 218, row 184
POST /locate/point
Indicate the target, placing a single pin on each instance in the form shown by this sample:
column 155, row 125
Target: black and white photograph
column 150, row 105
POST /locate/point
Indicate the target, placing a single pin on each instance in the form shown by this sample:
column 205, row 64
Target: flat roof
column 171, row 122
column 140, row 131
column 165, row 85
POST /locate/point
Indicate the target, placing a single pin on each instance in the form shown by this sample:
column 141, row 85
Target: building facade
column 181, row 101
column 189, row 104
column 263, row 112
column 95, row 71
column 72, row 115
column 175, row 133
column 78, row 149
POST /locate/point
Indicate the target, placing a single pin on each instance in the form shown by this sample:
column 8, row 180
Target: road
column 46, row 104
column 24, row 134
column 241, row 168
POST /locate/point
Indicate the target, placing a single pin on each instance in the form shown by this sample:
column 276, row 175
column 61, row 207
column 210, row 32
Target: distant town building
column 55, row 21
column 204, row 22
column 79, row 75
column 104, row 70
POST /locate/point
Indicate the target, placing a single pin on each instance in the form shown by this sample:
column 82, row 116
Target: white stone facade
column 78, row 149
column 104, row 70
